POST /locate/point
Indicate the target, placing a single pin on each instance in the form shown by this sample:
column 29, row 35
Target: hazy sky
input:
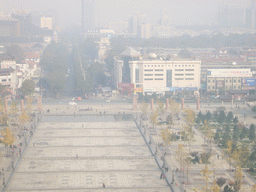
column 184, row 12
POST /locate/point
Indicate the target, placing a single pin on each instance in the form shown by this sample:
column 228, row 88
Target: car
column 72, row 103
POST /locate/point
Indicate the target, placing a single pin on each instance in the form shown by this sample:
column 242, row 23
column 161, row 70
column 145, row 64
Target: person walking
column 161, row 176
column 103, row 185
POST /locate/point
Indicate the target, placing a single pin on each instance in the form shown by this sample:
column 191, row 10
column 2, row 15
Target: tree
column 208, row 116
column 229, row 117
column 175, row 109
column 54, row 64
column 227, row 129
column 187, row 134
column 23, row 118
column 221, row 181
column 254, row 109
column 17, row 52
column 236, row 133
column 221, row 117
column 227, row 188
column 8, row 137
column 28, row 87
column 235, row 120
column 14, row 109
column 181, row 155
column 252, row 132
column 215, row 115
column 29, row 105
column 206, row 173
column 167, row 137
column 144, row 108
column 160, row 108
column 189, row 116
column 153, row 118
column 184, row 54
column 200, row 115
column 243, row 133
column 217, row 137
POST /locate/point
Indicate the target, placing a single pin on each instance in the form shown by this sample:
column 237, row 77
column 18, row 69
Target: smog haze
column 181, row 12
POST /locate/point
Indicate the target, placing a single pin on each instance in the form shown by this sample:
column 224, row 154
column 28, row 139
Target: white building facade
column 161, row 76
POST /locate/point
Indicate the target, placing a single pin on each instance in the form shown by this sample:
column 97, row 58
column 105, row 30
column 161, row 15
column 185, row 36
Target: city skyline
column 186, row 12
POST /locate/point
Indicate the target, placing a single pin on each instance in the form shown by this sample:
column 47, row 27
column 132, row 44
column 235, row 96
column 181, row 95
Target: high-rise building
column 25, row 20
column 46, row 22
column 88, row 15
column 251, row 15
column 134, row 23
column 144, row 31
column 232, row 16
column 9, row 27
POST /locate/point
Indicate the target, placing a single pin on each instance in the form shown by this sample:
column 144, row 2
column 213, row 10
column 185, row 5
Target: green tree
column 221, row 117
column 217, row 137
column 235, row 120
column 221, row 181
column 229, row 117
column 28, row 87
column 236, row 133
column 208, row 116
column 243, row 133
column 254, row 109
column 227, row 129
column 17, row 52
column 252, row 132
column 185, row 54
column 54, row 64
column 215, row 115
column 227, row 188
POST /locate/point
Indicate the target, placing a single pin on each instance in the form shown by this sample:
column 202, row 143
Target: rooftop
column 130, row 52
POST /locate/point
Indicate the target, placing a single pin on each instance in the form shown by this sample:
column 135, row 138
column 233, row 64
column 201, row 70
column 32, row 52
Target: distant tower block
column 6, row 105
column 22, row 105
column 134, row 105
column 198, row 103
column 167, row 104
column 39, row 104
column 152, row 104
column 182, row 103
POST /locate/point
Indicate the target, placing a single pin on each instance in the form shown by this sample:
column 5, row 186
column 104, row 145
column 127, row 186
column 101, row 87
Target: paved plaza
column 80, row 153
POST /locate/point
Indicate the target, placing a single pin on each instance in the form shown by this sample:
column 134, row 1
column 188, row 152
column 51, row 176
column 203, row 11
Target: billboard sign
column 182, row 88
column 126, row 87
column 248, row 83
column 229, row 73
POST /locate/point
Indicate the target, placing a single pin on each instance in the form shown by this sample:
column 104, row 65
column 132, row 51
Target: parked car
column 72, row 103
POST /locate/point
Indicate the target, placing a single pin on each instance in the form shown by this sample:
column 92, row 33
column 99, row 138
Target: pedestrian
column 103, row 185
column 161, row 176
column 177, row 170
column 218, row 156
